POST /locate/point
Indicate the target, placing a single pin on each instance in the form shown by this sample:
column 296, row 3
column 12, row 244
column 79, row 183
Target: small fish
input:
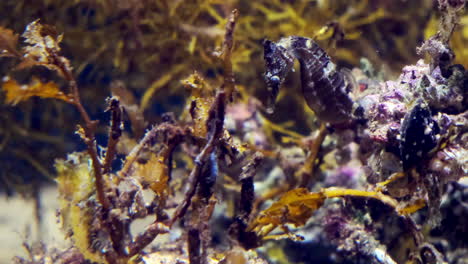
column 325, row 89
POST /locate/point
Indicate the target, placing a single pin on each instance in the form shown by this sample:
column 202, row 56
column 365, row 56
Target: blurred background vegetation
column 151, row 45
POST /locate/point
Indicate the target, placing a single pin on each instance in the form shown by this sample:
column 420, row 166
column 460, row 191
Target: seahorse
column 325, row 89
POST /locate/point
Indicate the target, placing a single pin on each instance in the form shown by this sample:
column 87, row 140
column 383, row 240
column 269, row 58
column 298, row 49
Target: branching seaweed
column 378, row 154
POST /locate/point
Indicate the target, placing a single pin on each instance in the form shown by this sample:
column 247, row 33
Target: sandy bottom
column 17, row 223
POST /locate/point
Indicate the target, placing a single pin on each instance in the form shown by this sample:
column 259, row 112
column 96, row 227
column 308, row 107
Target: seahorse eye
column 274, row 80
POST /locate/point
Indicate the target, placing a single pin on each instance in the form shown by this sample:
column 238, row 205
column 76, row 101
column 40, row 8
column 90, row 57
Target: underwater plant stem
column 192, row 181
column 247, row 189
column 132, row 157
column 281, row 129
column 228, row 42
column 306, row 172
column 197, row 240
column 418, row 237
column 297, row 206
column 194, row 247
column 37, row 207
column 89, row 128
column 142, row 240
column 89, row 125
column 91, row 143
column 238, row 228
column 215, row 120
column 215, row 124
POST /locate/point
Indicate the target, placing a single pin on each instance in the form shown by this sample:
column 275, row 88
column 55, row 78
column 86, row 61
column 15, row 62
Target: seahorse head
column 278, row 62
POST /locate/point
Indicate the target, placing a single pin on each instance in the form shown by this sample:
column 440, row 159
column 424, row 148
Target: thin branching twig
column 214, row 122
